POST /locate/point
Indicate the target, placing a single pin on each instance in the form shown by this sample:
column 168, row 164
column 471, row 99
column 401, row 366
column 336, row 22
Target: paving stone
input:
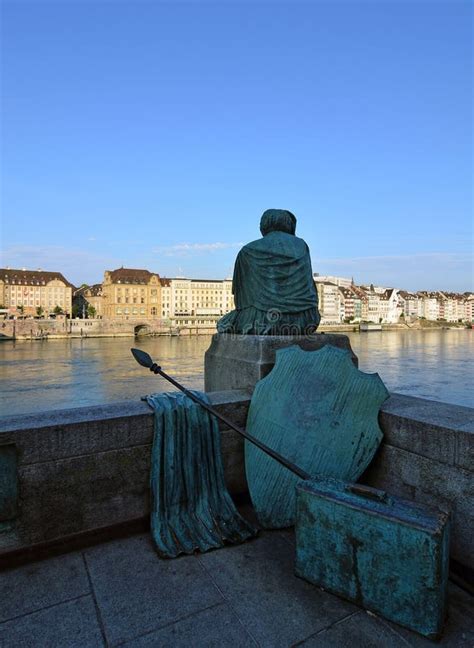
column 67, row 625
column 139, row 592
column 357, row 631
column 459, row 629
column 40, row 584
column 217, row 627
column 277, row 609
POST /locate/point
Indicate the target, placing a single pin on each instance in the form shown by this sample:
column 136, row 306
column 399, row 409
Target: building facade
column 35, row 292
column 131, row 293
column 88, row 302
column 330, row 301
column 196, row 298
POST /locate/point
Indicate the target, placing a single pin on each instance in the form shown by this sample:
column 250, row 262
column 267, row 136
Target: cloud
column 190, row 249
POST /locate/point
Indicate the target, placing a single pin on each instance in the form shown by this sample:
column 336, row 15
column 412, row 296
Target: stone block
column 359, row 629
column 240, row 361
column 138, row 592
column 42, row 584
column 8, row 482
column 216, row 627
column 275, row 607
column 67, row 496
column 439, row 431
column 60, row 434
column 73, row 624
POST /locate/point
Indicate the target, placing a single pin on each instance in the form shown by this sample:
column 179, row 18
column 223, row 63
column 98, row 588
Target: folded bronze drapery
column 191, row 509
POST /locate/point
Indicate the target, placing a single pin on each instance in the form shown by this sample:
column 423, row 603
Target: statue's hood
column 278, row 220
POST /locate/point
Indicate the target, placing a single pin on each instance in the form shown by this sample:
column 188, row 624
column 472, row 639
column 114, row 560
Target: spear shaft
column 145, row 360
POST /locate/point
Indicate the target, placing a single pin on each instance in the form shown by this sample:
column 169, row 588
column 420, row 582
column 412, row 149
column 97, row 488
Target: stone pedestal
column 240, row 361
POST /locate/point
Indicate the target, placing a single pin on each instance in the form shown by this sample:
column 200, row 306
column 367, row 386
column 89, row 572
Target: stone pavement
column 121, row 594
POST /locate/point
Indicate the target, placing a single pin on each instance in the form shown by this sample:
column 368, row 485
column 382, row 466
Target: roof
column 131, row 276
column 166, row 281
column 31, row 277
column 95, row 290
column 349, row 292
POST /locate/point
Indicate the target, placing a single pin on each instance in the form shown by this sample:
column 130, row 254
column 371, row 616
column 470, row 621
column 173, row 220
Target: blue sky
column 153, row 134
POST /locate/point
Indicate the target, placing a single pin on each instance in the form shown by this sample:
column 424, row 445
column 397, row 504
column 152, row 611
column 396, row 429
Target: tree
column 91, row 311
column 40, row 311
column 75, row 310
column 20, row 308
column 58, row 310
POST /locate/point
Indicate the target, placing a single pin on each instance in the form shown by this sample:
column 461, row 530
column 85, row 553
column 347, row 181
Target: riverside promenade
column 120, row 593
column 83, row 504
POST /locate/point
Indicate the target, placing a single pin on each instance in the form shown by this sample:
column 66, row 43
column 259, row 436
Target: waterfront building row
column 341, row 301
column 130, row 293
column 133, row 293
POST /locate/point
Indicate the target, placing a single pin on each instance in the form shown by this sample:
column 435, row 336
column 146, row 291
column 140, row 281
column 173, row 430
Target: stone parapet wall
column 59, row 328
column 85, row 469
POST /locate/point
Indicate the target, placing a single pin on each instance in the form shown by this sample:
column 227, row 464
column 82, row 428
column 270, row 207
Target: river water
column 54, row 374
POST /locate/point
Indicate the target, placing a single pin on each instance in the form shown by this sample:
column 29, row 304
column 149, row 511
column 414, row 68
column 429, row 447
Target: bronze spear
column 145, row 361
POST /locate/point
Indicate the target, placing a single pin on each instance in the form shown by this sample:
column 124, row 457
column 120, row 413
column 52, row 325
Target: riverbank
column 100, row 328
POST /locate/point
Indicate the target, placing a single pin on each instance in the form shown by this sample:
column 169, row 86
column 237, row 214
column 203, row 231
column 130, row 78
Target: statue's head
column 278, row 220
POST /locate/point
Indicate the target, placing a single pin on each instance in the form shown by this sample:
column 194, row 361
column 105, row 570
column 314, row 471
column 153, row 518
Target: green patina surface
column 385, row 554
column 321, row 413
column 191, row 508
column 273, row 283
column 8, row 483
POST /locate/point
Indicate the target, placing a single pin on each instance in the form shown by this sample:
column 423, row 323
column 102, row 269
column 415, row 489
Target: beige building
column 329, row 301
column 129, row 293
column 23, row 292
column 196, row 298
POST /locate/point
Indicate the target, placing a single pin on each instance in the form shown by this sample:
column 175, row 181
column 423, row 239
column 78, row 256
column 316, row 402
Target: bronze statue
column 273, row 284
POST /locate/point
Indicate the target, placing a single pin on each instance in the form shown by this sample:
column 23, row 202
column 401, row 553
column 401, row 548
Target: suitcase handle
column 367, row 492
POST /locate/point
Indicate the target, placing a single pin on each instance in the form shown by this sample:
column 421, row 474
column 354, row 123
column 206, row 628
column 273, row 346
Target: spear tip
column 142, row 357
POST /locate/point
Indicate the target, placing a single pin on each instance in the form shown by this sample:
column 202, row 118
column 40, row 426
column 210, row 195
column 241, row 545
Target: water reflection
column 53, row 374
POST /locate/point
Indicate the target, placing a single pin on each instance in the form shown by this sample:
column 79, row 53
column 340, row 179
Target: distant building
column 130, row 293
column 338, row 281
column 86, row 297
column 27, row 292
column 133, row 293
column 430, row 307
column 409, row 305
column 203, row 298
column 329, row 302
column 351, row 304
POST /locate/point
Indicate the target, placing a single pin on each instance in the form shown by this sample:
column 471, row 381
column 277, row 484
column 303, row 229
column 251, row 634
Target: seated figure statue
column 273, row 284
